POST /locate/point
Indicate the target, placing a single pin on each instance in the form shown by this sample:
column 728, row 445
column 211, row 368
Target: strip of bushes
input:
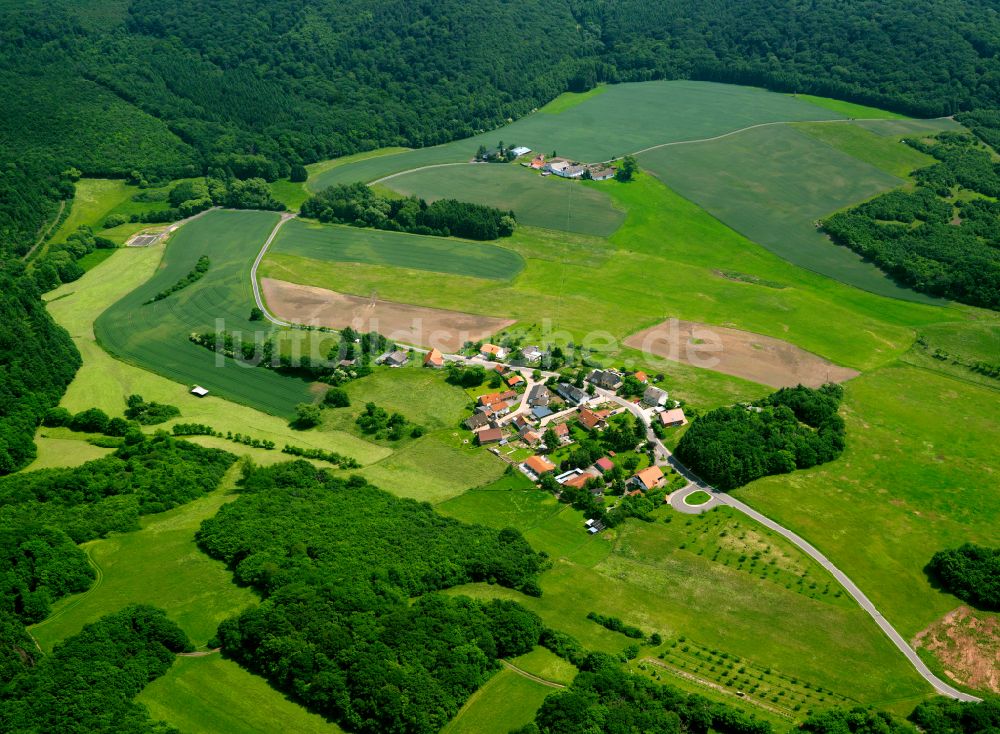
column 196, row 274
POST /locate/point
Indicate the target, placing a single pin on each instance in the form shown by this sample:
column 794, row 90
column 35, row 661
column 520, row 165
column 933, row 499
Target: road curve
column 256, row 263
column 805, row 546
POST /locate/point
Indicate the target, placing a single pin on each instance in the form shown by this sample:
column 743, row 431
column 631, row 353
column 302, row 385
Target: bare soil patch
column 968, row 645
column 403, row 322
column 755, row 357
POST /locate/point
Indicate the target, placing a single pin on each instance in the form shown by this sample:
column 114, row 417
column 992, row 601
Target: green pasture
column 697, row 576
column 547, row 665
column 772, row 184
column 105, row 382
column 918, row 475
column 159, row 565
column 666, row 260
column 539, row 201
column 93, row 200
column 621, row 119
column 507, row 701
column 63, row 450
column 212, row 695
column 155, row 335
column 956, row 347
column 568, row 100
column 339, row 243
column 289, row 193
column 886, row 153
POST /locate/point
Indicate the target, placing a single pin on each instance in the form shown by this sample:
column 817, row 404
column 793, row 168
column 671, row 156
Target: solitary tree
column 628, row 168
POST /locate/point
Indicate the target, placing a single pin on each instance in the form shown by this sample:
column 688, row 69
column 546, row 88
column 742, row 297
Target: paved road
column 695, row 483
column 256, row 263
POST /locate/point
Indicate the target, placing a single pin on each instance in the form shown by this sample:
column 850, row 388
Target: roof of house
column 605, row 378
column 654, row 394
column 561, row 429
column 602, row 172
column 604, row 464
column 641, row 376
column 540, row 411
column 539, row 464
column 477, row 421
column 488, row 435
column 501, row 406
column 434, row 358
column 590, row 419
column 515, row 380
column 572, row 392
column 199, row 391
column 397, row 357
column 579, row 481
column 574, row 170
column 520, row 150
column 674, row 415
column 531, row 437
column 650, row 476
column 490, row 349
column 490, row 398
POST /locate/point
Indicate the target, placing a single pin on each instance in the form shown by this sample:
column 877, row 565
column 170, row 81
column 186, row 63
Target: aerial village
column 598, row 433
column 553, row 165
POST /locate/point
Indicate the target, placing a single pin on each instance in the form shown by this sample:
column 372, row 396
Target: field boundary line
column 46, row 232
column 80, row 598
column 421, row 168
column 531, row 676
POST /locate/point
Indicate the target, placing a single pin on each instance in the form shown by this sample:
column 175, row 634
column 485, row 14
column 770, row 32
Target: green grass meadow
column 506, row 702
column 339, row 243
column 539, row 201
column 212, row 695
column 888, row 154
column 159, row 565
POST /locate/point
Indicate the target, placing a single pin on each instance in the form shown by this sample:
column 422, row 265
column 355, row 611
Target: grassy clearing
column 209, row 695
column 337, row 243
column 159, row 565
column 94, row 199
column 772, row 184
column 546, row 664
column 63, row 451
column 849, row 109
column 957, row 347
column 697, row 498
column 289, row 193
column 506, row 702
column 571, row 206
column 888, row 154
column 105, row 382
column 317, row 169
column 636, row 113
column 918, row 475
column 568, row 100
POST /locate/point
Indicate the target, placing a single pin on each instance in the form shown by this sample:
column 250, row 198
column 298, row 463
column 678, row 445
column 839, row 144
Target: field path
column 98, row 580
column 530, row 676
column 664, row 456
column 256, row 264
column 46, row 231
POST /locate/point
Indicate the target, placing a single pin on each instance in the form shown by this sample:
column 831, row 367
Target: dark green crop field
column 335, row 243
column 155, row 336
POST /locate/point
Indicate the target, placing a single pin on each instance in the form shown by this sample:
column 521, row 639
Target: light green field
column 546, row 665
column 159, row 565
column 105, row 382
column 918, row 475
column 553, row 202
column 772, row 184
column 316, row 169
column 95, row 198
column 212, row 695
column 958, row 347
column 338, row 243
column 886, row 153
column 599, row 126
column 848, row 109
column 506, row 702
column 54, row 452
column 568, row 100
column 664, row 261
column 666, row 577
column 289, row 193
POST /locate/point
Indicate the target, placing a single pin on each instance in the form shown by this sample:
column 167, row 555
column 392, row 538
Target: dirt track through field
column 402, row 322
column 755, row 357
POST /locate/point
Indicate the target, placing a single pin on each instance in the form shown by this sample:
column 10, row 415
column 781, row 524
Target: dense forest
column 942, row 715
column 88, row 683
column 942, row 238
column 362, row 206
column 338, row 561
column 970, row 572
column 794, row 428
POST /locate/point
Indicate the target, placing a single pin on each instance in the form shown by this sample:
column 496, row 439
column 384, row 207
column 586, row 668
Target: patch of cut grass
column 546, row 665
column 568, row 100
column 506, row 702
column 848, row 109
column 290, row 193
column 212, row 695
column 61, row 451
column 889, row 154
column 93, row 200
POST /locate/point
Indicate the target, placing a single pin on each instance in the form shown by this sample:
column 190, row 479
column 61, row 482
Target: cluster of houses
column 565, row 168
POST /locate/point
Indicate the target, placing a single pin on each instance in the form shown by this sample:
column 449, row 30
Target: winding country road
column 664, row 456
